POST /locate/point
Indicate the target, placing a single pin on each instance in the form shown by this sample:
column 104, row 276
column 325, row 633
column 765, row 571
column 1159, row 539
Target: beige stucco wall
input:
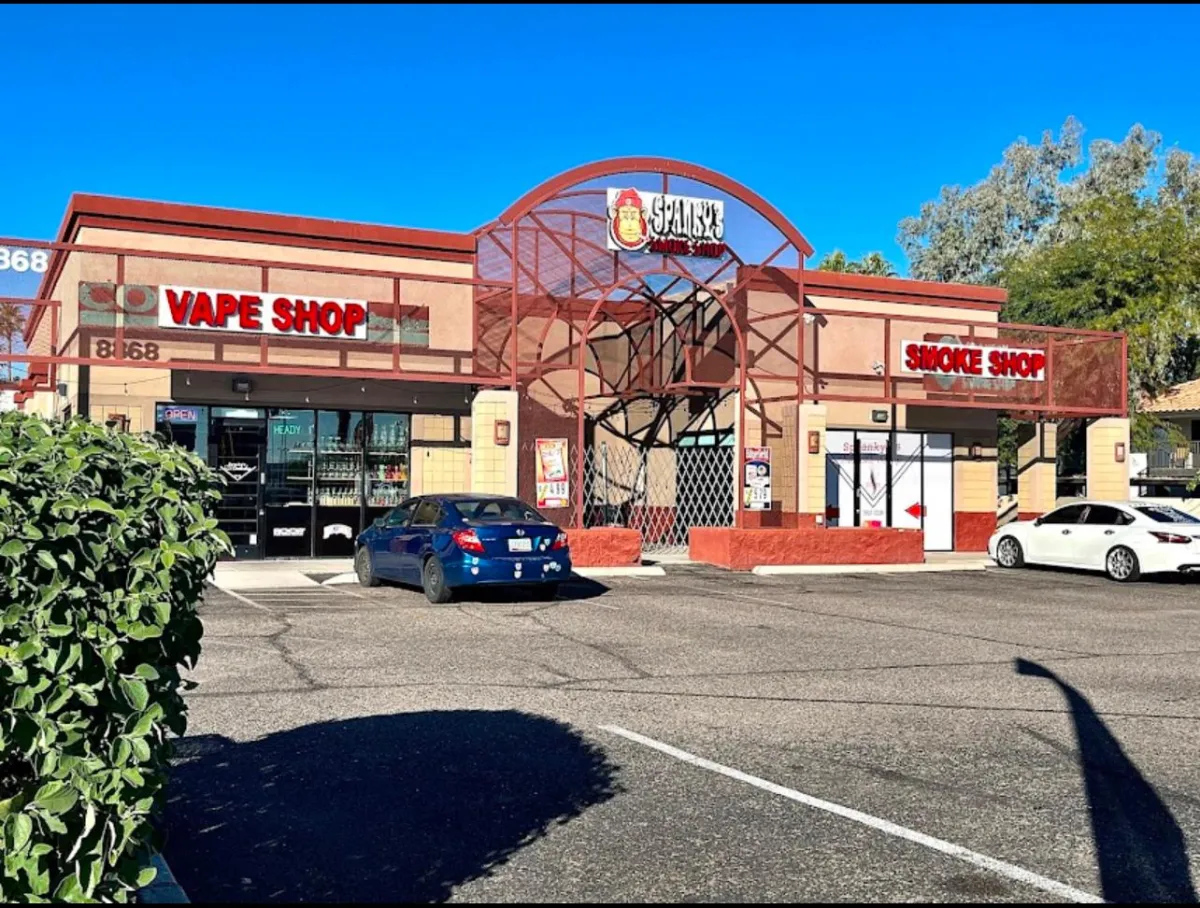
column 436, row 470
column 1107, row 479
column 494, row 468
column 1037, row 472
column 451, row 310
column 811, row 472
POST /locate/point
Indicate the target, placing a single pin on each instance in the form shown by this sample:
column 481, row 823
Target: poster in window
column 757, row 489
column 553, row 487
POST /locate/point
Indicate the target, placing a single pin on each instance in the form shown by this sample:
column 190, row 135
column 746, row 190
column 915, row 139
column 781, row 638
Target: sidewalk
column 935, row 562
column 271, row 575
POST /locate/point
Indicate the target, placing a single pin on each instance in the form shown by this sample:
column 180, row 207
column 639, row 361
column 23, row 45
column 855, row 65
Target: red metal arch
column 612, row 166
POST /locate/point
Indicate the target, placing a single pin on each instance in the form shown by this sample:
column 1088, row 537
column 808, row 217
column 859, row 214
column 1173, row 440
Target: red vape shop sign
column 204, row 309
column 968, row 361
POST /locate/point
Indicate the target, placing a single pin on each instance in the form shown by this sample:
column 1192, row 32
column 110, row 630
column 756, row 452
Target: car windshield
column 497, row 509
column 1165, row 514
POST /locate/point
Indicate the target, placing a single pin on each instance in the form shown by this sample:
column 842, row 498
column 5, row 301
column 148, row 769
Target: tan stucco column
column 810, row 471
column 494, row 467
column 1106, row 478
column 1037, row 471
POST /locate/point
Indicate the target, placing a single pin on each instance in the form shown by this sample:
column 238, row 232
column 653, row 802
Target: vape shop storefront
column 300, row 482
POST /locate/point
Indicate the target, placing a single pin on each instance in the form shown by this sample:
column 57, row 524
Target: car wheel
column 1009, row 554
column 1122, row 565
column 364, row 568
column 434, row 581
column 546, row 592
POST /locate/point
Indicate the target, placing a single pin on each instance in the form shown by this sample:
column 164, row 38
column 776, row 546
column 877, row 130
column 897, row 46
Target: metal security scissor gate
column 660, row 491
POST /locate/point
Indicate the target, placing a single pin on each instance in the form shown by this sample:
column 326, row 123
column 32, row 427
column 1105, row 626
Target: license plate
column 520, row 545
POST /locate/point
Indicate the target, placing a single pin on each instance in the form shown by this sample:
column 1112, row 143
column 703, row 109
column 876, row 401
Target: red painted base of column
column 740, row 550
column 1028, row 515
column 972, row 530
column 605, row 547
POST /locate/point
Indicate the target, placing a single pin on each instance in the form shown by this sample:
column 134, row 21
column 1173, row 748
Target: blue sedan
column 443, row 542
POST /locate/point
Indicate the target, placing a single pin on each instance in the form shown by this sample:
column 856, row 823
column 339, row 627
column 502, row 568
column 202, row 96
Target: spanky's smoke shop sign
column 661, row 223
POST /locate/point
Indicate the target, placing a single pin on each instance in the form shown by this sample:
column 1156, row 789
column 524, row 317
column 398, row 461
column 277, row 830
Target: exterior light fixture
column 502, row 432
column 242, row 386
column 1119, row 451
column 814, row 442
column 977, row 451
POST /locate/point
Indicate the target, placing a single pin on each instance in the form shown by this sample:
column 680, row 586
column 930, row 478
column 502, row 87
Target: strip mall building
column 636, row 345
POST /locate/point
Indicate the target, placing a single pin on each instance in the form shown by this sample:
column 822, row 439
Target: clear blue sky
column 846, row 118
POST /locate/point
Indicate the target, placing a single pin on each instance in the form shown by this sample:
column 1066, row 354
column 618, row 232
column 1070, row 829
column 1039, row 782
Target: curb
column 165, row 889
column 630, row 571
column 768, row 569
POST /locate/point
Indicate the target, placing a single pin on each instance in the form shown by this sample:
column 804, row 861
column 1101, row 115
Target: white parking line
column 1011, row 871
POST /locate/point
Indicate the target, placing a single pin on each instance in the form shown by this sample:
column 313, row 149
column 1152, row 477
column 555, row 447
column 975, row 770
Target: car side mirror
column 378, row 522
column 1037, row 521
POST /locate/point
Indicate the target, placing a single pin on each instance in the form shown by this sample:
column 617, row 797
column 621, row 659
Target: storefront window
column 288, row 488
column 339, row 480
column 387, row 462
column 186, row 426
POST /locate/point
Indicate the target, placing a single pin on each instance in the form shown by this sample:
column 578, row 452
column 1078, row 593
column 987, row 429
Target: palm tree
column 873, row 263
column 12, row 320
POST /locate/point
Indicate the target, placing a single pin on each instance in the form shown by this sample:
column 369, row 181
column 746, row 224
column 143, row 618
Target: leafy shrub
column 106, row 540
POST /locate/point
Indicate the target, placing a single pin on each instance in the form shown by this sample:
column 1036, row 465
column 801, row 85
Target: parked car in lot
column 1124, row 539
column 446, row 542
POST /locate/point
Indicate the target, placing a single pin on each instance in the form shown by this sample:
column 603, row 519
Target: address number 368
column 21, row 260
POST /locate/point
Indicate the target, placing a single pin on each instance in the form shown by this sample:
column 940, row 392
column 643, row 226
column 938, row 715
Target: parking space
column 1001, row 736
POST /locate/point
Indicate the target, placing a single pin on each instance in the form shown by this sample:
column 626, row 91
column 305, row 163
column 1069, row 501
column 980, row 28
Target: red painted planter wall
column 740, row 550
column 972, row 530
column 605, row 547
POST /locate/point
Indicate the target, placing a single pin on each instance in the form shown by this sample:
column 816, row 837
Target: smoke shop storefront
column 651, row 322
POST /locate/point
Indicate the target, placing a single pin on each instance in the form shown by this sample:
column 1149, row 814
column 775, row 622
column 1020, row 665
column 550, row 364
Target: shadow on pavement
column 573, row 588
column 398, row 808
column 1176, row 579
column 1140, row 849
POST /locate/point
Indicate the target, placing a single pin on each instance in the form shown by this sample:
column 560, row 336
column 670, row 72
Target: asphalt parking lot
column 994, row 736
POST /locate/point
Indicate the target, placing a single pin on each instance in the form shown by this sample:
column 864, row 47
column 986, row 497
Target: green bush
column 106, row 540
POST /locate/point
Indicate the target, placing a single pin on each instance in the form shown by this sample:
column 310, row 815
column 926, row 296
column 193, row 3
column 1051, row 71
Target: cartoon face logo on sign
column 627, row 221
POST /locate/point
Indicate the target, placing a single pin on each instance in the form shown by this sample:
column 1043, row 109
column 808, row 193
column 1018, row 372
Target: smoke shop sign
column 969, row 361
column 204, row 309
column 660, row 223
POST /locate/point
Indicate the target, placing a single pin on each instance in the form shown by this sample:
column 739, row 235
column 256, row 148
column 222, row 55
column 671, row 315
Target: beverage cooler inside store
column 329, row 473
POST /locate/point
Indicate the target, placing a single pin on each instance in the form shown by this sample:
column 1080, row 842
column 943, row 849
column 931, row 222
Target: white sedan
column 1123, row 539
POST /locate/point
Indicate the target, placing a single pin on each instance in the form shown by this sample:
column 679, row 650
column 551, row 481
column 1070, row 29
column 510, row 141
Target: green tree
column 1123, row 264
column 1106, row 241
column 966, row 235
column 873, row 263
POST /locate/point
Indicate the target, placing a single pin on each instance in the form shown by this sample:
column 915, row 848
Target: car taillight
column 560, row 541
column 1171, row 537
column 468, row 541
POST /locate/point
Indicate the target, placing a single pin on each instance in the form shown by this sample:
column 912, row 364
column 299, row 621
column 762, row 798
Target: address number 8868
column 21, row 260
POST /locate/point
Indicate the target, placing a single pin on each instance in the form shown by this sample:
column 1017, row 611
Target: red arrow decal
column 914, row 510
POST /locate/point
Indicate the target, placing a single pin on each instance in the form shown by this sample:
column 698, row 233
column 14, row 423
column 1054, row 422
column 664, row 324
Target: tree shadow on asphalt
column 398, row 808
column 1141, row 851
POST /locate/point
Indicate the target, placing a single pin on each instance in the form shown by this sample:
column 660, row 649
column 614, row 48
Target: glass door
column 339, row 481
column 288, row 484
column 387, row 459
column 236, row 450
